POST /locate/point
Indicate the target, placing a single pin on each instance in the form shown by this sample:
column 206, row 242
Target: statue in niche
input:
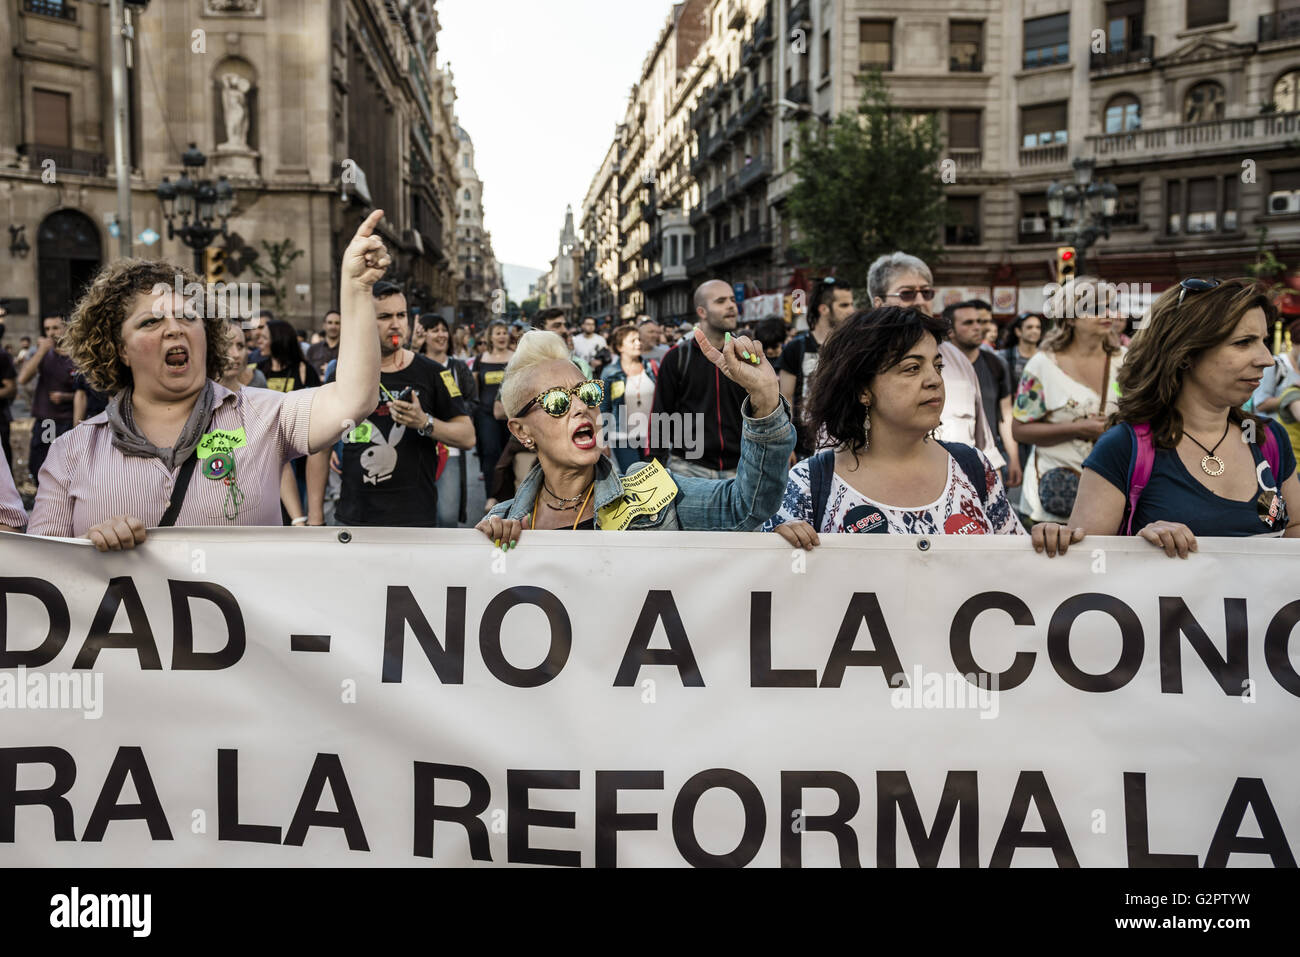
column 234, row 105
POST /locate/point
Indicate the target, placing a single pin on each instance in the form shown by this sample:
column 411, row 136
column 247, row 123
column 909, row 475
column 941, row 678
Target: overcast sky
column 540, row 85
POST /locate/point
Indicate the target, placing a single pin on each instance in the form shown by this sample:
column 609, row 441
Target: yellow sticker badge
column 221, row 441
column 616, row 389
column 493, row 378
column 449, row 381
column 645, row 492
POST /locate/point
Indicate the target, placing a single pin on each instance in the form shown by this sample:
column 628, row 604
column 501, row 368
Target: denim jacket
column 740, row 504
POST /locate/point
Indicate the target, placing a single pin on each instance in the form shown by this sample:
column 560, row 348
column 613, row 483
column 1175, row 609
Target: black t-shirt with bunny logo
column 390, row 470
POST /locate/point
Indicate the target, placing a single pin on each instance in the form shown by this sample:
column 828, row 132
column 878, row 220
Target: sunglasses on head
column 555, row 402
column 1194, row 286
column 909, row 295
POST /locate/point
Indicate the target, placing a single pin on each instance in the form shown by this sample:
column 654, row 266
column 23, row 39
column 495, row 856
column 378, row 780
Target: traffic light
column 214, row 264
column 1065, row 264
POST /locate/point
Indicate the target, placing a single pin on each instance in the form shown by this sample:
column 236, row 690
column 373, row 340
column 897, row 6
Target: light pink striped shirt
column 12, row 512
column 87, row 480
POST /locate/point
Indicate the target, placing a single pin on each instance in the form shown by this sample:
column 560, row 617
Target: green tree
column 868, row 183
column 531, row 307
column 274, row 275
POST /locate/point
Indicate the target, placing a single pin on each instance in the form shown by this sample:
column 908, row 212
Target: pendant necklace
column 568, row 503
column 1209, row 453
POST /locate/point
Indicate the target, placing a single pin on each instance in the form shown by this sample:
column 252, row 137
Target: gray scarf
column 129, row 441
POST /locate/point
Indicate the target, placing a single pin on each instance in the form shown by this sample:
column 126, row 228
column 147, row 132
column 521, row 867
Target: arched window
column 1203, row 102
column 1286, row 92
column 1123, row 113
column 468, row 195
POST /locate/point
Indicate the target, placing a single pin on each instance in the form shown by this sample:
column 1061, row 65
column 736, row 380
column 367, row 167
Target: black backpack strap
column 972, row 465
column 821, row 468
column 178, row 492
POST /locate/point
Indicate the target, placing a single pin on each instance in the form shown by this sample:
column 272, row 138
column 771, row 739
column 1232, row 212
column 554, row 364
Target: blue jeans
column 449, row 492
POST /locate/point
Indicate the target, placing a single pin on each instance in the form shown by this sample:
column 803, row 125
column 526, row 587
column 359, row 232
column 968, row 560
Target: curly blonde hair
column 94, row 336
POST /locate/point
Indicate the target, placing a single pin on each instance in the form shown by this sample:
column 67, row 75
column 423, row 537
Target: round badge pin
column 218, row 466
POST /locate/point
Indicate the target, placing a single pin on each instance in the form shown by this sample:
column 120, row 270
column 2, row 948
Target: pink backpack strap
column 1272, row 454
column 1144, row 458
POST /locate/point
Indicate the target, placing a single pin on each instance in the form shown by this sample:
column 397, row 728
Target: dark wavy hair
column 862, row 347
column 94, row 336
column 284, row 344
column 1175, row 337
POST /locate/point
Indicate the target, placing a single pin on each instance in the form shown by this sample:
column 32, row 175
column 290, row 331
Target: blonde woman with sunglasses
column 555, row 411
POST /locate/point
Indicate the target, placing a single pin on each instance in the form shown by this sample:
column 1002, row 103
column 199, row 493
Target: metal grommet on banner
column 345, row 537
column 923, row 544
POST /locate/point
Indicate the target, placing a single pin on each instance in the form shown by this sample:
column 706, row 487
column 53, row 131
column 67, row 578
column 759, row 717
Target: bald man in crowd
column 696, row 419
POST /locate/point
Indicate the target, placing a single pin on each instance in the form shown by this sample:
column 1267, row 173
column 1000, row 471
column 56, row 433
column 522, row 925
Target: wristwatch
column 426, row 430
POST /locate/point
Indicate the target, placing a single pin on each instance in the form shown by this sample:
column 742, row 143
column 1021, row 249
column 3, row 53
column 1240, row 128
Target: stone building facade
column 282, row 97
column 479, row 274
column 1191, row 108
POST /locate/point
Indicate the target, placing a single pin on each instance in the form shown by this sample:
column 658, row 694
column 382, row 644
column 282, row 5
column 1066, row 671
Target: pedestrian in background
column 1064, row 397
column 52, row 397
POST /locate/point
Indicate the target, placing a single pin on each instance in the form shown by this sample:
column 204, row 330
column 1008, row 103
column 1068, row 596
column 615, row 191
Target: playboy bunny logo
column 381, row 458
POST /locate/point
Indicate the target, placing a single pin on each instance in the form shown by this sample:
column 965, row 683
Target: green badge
column 221, row 440
column 218, row 466
column 361, row 433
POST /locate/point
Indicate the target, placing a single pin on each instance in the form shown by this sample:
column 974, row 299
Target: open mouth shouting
column 177, row 359
column 584, row 436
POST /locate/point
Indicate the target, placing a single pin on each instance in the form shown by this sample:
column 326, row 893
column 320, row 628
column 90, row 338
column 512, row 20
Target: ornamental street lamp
column 1082, row 211
column 197, row 202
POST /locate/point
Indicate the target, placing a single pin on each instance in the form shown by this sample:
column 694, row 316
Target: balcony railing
column 798, row 92
column 630, row 218
column 733, row 124
column 871, row 66
column 729, row 188
column 799, row 13
column 1269, row 129
column 758, row 101
column 736, row 15
column 965, row 64
column 1044, row 155
column 51, row 8
column 716, row 143
column 1141, row 50
column 696, row 263
column 763, row 32
column 80, row 162
column 756, row 169
column 1280, row 26
column 700, row 115
column 714, row 199
column 967, row 159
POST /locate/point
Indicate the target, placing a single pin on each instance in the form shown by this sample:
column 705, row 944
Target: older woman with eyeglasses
column 554, row 411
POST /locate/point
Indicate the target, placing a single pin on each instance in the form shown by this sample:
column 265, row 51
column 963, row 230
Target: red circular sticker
column 962, row 525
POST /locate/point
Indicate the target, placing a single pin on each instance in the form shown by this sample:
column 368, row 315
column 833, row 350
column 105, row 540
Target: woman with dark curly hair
column 129, row 468
column 878, row 394
column 1181, row 458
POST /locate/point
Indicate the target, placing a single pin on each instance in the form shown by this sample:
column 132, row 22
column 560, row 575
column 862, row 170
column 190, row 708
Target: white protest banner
column 382, row 697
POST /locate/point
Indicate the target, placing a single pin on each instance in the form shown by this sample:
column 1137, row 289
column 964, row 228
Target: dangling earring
column 866, row 427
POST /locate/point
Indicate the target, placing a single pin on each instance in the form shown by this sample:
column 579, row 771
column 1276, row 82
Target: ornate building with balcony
column 478, row 273
column 599, row 269
column 1191, row 108
column 285, row 98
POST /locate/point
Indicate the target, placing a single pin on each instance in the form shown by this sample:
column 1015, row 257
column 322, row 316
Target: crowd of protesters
column 884, row 414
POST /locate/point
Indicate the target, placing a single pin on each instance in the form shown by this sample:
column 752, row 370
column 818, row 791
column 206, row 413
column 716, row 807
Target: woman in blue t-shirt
column 1216, row 470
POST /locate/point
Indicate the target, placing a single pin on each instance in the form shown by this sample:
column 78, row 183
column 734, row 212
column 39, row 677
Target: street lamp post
column 1081, row 211
column 197, row 202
